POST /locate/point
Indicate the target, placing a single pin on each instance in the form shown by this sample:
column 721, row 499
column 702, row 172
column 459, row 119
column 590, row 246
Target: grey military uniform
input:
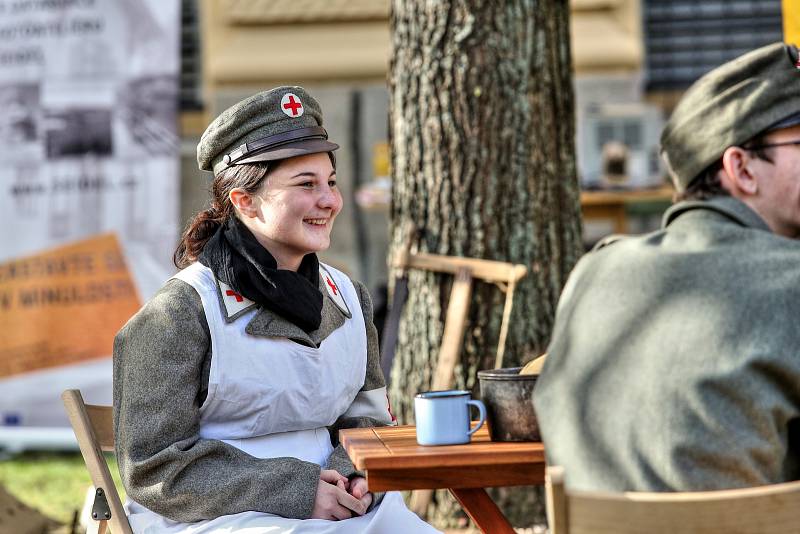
column 675, row 359
column 161, row 362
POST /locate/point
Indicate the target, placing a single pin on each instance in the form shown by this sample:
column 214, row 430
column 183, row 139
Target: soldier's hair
column 707, row 184
column 205, row 223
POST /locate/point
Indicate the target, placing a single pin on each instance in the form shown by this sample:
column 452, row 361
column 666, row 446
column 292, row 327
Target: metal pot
column 508, row 397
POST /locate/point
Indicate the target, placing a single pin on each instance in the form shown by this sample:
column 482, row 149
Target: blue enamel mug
column 443, row 417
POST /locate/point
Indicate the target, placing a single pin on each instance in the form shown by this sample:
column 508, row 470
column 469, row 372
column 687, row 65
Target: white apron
column 297, row 393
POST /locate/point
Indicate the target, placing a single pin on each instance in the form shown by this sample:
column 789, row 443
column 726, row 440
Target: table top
column 625, row 196
column 393, row 460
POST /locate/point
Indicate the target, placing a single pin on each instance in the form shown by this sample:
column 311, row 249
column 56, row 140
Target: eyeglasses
column 770, row 145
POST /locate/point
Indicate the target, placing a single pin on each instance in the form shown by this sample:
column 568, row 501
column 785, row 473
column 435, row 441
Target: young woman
column 231, row 384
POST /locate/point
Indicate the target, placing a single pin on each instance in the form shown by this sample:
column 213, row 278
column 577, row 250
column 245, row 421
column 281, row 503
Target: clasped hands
column 339, row 498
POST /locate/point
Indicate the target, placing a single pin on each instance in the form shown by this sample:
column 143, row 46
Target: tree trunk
column 482, row 137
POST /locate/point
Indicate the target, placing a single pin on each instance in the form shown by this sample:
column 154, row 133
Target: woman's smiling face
column 295, row 208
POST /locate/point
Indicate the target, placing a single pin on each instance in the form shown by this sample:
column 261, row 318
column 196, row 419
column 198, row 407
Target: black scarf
column 239, row 260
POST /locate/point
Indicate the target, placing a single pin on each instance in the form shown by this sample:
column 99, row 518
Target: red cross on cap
column 291, row 105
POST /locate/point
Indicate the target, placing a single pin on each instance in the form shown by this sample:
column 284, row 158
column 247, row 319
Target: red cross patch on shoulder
column 334, row 293
column 389, row 408
column 291, row 105
column 233, row 303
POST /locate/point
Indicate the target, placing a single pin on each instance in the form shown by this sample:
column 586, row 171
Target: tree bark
column 483, row 165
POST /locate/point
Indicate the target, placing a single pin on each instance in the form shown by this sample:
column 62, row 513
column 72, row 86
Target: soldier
column 230, row 385
column 675, row 358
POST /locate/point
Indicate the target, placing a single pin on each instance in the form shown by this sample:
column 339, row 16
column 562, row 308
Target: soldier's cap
column 752, row 94
column 277, row 124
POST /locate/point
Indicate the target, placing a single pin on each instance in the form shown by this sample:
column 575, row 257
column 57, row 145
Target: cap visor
column 290, row 150
column 791, row 120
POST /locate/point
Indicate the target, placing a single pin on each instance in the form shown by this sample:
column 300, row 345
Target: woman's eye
column 307, row 184
column 331, row 183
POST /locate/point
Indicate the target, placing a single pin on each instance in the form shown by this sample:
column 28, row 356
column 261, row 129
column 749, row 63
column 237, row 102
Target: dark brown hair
column 203, row 225
column 707, row 184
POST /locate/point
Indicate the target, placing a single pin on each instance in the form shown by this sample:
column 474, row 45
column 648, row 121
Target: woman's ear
column 243, row 202
column 739, row 176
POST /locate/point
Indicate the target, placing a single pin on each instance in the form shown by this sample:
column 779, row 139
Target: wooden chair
column 504, row 275
column 773, row 509
column 94, row 429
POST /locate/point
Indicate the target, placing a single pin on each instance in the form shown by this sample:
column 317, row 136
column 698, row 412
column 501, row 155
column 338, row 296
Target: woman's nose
column 329, row 198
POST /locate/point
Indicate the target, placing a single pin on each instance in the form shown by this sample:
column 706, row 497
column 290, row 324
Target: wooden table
column 614, row 205
column 392, row 460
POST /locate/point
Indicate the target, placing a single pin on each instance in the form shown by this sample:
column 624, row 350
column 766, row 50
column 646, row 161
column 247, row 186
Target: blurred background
column 632, row 60
column 102, row 106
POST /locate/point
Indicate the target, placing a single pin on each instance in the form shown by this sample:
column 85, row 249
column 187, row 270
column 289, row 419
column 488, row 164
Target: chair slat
column 93, row 427
column 102, row 420
column 768, row 509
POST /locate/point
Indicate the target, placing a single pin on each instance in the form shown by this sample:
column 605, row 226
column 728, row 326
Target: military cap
column 277, row 124
column 733, row 103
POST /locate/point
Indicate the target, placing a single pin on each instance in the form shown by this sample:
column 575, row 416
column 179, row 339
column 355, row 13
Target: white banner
column 89, row 174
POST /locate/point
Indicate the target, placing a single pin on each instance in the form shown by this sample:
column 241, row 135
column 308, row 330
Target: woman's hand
column 359, row 489
column 332, row 501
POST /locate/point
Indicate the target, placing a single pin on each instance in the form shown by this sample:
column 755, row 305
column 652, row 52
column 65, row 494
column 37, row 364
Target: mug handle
column 482, row 409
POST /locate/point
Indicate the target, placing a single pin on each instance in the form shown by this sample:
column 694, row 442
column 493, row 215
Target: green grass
column 53, row 483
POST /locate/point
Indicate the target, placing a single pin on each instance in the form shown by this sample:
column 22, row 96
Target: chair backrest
column 94, row 429
column 773, row 509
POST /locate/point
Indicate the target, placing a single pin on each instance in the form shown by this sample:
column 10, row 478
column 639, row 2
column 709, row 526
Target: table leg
column 482, row 510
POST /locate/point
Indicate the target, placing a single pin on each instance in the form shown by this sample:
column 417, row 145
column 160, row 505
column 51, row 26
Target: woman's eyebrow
column 305, row 174
column 311, row 174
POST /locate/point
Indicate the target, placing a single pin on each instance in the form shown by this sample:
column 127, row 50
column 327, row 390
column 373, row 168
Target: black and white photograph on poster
column 77, row 132
column 90, row 58
column 148, row 36
column 147, row 108
column 19, row 103
column 27, row 189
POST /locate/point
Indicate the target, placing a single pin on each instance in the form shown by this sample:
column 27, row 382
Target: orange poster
column 63, row 306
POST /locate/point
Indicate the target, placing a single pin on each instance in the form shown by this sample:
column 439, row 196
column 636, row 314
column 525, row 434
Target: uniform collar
column 734, row 209
column 267, row 323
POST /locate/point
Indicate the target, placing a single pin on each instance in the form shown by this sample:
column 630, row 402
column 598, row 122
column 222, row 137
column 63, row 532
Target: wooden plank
column 483, row 511
column 453, row 476
column 102, row 418
column 614, row 213
column 488, row 270
column 592, row 198
column 613, row 205
column 454, row 325
column 770, row 513
column 466, row 457
column 501, row 342
column 556, row 500
column 86, row 430
column 397, row 448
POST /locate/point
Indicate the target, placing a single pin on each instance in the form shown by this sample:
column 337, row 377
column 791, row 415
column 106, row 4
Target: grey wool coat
column 675, row 358
column 162, row 358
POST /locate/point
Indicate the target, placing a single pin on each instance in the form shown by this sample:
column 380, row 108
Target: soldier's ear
column 243, row 202
column 738, row 175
